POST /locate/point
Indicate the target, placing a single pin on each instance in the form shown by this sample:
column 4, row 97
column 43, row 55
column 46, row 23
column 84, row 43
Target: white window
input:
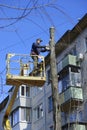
column 14, row 117
column 76, row 79
column 25, row 91
column 22, row 90
column 26, row 114
column 60, row 86
column 38, row 112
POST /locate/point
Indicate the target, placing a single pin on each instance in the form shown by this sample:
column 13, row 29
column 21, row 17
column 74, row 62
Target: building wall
column 1, row 120
column 22, row 126
column 42, row 96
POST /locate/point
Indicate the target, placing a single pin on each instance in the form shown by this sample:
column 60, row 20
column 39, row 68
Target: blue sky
column 17, row 35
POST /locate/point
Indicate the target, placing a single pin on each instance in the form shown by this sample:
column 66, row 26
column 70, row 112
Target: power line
column 21, row 39
column 21, row 17
column 48, row 16
column 34, row 7
column 37, row 25
column 65, row 14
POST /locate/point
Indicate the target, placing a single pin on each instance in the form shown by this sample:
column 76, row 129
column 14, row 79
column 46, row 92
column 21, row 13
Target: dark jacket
column 36, row 49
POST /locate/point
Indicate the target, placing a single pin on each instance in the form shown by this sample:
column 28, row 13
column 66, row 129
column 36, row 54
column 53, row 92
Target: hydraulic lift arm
column 6, row 123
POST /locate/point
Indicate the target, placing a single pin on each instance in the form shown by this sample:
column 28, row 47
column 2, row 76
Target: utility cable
column 34, row 7
column 22, row 16
column 37, row 25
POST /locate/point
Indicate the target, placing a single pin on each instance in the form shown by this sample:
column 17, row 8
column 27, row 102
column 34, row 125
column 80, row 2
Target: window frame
column 25, row 92
column 13, row 122
column 51, row 127
column 23, row 110
column 38, row 112
column 48, row 76
column 86, row 43
column 50, row 103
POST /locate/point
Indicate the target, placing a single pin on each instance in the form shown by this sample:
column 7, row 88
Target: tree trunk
column 54, row 85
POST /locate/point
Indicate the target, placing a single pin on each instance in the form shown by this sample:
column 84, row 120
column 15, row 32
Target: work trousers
column 35, row 59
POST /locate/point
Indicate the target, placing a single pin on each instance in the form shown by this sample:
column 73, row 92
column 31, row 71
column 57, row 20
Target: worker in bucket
column 35, row 51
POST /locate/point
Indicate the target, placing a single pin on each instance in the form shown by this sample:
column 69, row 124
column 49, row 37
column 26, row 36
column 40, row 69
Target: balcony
column 75, row 126
column 71, row 98
column 78, row 127
column 74, row 117
column 22, row 101
column 68, row 60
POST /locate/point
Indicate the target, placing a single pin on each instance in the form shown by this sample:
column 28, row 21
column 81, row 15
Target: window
column 38, row 112
column 81, row 116
column 25, row 91
column 22, row 91
column 66, row 128
column 51, row 127
column 73, row 116
column 60, row 86
column 73, row 51
column 63, row 84
column 15, row 117
column 86, row 43
column 48, row 76
column 72, row 77
column 50, row 104
column 17, row 94
column 59, row 66
column 25, row 114
column 75, row 78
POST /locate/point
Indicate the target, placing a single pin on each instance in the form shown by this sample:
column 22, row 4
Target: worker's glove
column 47, row 48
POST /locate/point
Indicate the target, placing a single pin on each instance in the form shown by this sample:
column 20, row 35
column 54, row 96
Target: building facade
column 33, row 109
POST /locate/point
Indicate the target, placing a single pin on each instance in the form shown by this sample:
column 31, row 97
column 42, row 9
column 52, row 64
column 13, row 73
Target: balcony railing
column 68, row 60
column 20, row 70
column 73, row 117
column 71, row 97
column 75, row 127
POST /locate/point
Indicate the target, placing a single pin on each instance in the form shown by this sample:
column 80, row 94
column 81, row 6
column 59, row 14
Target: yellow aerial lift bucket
column 20, row 70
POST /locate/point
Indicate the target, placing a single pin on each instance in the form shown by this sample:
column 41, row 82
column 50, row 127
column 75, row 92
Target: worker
column 35, row 51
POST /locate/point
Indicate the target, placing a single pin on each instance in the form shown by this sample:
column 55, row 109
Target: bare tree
column 54, row 79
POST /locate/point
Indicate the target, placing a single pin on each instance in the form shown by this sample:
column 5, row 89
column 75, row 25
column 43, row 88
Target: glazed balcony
column 68, row 60
column 77, row 116
column 70, row 98
column 75, row 126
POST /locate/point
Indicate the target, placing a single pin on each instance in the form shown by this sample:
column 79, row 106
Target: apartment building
column 71, row 54
column 33, row 109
